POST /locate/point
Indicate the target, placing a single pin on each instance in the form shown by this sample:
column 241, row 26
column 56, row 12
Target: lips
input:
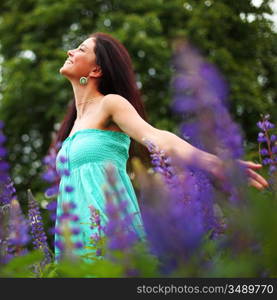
column 69, row 61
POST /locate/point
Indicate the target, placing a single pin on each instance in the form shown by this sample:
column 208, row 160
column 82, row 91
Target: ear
column 95, row 72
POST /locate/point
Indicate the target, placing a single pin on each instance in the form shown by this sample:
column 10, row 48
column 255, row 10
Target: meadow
column 195, row 224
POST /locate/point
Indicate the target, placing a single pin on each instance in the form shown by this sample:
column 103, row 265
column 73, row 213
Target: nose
column 70, row 52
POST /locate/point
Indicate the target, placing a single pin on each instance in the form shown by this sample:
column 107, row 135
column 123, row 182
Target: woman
column 99, row 125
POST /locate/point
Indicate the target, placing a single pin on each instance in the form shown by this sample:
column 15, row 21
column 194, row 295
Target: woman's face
column 80, row 61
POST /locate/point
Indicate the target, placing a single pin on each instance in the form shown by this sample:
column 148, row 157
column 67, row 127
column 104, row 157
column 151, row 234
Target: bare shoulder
column 114, row 96
column 109, row 107
column 113, row 99
column 115, row 102
column 126, row 117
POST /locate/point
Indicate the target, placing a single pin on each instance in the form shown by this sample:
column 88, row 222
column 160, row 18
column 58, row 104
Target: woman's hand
column 254, row 179
column 182, row 152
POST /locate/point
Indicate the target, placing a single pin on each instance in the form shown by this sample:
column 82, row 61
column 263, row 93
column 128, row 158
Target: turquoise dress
column 87, row 153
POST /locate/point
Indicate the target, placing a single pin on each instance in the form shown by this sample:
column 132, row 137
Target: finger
column 250, row 164
column 255, row 184
column 257, row 177
column 254, row 166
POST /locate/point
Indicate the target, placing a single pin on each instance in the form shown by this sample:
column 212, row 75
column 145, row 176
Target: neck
column 83, row 94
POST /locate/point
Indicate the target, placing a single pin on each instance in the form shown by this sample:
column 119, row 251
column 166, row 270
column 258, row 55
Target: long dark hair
column 118, row 77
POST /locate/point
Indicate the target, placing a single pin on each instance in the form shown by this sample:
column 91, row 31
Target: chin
column 63, row 71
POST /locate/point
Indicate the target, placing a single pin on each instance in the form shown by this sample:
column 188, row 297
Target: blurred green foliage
column 35, row 36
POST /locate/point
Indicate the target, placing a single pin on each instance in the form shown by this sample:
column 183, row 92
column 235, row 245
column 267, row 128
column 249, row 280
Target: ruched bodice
column 87, row 153
column 96, row 146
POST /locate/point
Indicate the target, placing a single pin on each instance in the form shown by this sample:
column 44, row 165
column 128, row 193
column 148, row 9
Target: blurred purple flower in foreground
column 118, row 229
column 37, row 230
column 174, row 225
column 7, row 194
column 113, row 234
column 97, row 229
column 51, row 175
column 208, row 124
column 67, row 240
column 7, row 190
column 178, row 214
column 67, row 232
column 179, row 202
column 18, row 228
column 200, row 94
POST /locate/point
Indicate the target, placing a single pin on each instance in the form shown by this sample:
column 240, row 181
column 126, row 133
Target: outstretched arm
column 210, row 162
column 126, row 117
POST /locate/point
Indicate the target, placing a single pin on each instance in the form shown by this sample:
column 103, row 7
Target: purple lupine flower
column 63, row 159
column 200, row 94
column 174, row 226
column 51, row 175
column 7, row 194
column 69, row 189
column 60, row 245
column 37, row 231
column 208, row 94
column 201, row 184
column 269, row 141
column 264, row 152
column 67, row 233
column 18, row 227
column 75, row 231
column 2, row 138
column 272, row 168
column 261, row 137
column 95, row 217
column 208, row 124
column 273, row 138
column 162, row 164
column 52, row 191
column 4, row 217
column 215, row 83
column 265, row 124
column 52, row 208
column 7, row 190
column 97, row 229
column 267, row 161
column 118, row 230
column 78, row 245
